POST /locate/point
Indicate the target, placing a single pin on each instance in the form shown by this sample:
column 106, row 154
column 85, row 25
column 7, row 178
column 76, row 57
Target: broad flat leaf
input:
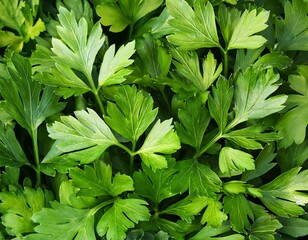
column 9, row 39
column 114, row 66
column 154, row 186
column 63, row 222
column 252, row 89
column 192, row 28
column 239, row 210
column 124, row 214
column 11, row 153
column 196, row 177
column 295, row 227
column 264, row 226
column 11, row 15
column 219, row 102
column 154, row 56
column 85, row 137
column 213, row 215
column 120, row 14
column 132, row 113
column 263, row 163
column 98, row 181
column 250, row 137
column 25, row 100
column 285, row 194
column 239, row 29
column 18, row 207
column 293, row 156
column 194, row 120
column 162, row 139
column 292, row 125
column 234, row 160
column 292, row 32
column 188, row 77
column 212, row 233
column 187, row 208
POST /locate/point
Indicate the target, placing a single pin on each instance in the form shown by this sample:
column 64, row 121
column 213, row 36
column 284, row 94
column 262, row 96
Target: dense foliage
column 152, row 119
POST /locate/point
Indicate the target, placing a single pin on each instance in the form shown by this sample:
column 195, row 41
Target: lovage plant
column 152, row 119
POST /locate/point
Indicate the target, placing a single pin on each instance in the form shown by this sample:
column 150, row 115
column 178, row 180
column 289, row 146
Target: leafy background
column 153, row 119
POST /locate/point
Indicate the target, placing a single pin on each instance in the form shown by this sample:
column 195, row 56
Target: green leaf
column 114, row 66
column 264, row 226
column 252, row 89
column 154, row 56
column 84, row 138
column 11, row 16
column 194, row 120
column 196, row 177
column 292, row 32
column 239, row 210
column 120, row 14
column 161, row 140
column 192, row 28
column 131, row 114
column 292, row 125
column 18, row 207
column 63, row 222
column 234, row 160
column 124, row 214
column 210, row 233
column 154, row 186
column 239, row 30
column 25, row 100
column 285, row 194
column 98, row 181
column 263, row 163
column 295, row 227
column 187, row 208
column 293, row 156
column 213, row 215
column 11, row 153
column 220, row 101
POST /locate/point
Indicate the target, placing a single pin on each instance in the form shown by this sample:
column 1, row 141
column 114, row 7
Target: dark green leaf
column 295, row 227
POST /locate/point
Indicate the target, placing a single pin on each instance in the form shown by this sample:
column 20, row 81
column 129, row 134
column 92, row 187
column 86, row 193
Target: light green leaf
column 239, row 210
column 161, row 140
column 124, row 214
column 292, row 125
column 25, row 100
column 194, row 120
column 84, row 138
column 187, row 208
column 252, row 89
column 213, row 215
column 220, row 101
column 18, row 207
column 192, row 28
column 63, row 222
column 120, row 14
column 292, row 32
column 11, row 16
column 154, row 186
column 9, row 39
column 11, row 153
column 285, row 194
column 234, row 160
column 295, row 227
column 240, row 31
column 132, row 113
column 114, row 66
column 211, row 233
column 98, row 181
column 196, row 177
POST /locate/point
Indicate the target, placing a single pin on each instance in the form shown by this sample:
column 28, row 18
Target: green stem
column 120, row 145
column 166, row 99
column 131, row 29
column 208, row 145
column 99, row 102
column 226, row 63
column 132, row 159
column 36, row 157
column 99, row 206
